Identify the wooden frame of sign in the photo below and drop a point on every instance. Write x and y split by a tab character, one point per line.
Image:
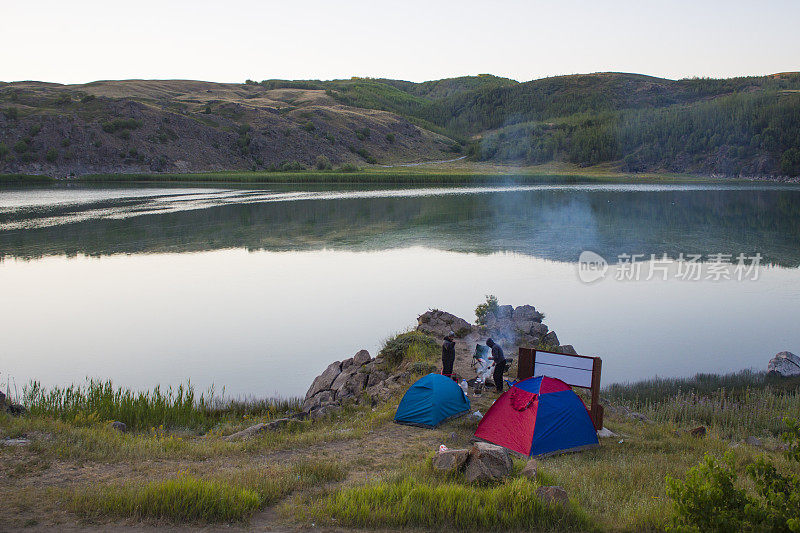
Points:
574	370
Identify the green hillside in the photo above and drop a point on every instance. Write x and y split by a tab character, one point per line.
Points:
739	126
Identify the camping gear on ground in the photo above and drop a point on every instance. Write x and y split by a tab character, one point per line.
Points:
464	385
539	416
431	400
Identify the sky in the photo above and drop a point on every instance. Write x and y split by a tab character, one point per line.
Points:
85	40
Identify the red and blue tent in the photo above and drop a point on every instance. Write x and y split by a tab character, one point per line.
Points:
538	416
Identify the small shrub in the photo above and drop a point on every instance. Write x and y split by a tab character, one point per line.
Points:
52	155
11	113
34	130
118	124
390	137
331	139
348	167
3	150
309	126
88	98
65	142
21	147
323	163
362	134
413	346
482	311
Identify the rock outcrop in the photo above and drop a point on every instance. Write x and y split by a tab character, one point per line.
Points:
509	326
784	364
355	379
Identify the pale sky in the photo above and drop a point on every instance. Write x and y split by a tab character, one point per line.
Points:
85	40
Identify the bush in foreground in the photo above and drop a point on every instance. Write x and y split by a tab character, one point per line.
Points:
711	499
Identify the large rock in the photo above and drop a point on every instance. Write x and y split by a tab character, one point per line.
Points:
504	311
361	358
440	323
784	364
529	471
325	380
568	349
487	462
450	460
552	495
321	398
538	329
524	312
551	339
257	429
341	380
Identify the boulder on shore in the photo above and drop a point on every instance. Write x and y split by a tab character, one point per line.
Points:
487	462
784	364
450	460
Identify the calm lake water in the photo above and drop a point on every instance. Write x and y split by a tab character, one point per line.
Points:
257	289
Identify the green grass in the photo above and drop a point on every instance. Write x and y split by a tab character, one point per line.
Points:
410	347
736	405
185	499
19	179
410	502
181	407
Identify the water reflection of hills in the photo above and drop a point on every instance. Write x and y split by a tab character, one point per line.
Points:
551	224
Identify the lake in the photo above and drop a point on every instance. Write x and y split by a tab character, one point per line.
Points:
256	289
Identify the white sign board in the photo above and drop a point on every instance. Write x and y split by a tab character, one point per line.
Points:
571	370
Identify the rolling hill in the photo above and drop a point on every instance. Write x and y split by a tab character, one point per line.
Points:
738	126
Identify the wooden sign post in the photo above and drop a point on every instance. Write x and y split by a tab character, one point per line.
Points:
574	370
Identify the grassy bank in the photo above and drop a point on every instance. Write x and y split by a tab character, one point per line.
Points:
355	468
458	173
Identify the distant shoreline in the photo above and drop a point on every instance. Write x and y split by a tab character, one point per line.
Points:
454	174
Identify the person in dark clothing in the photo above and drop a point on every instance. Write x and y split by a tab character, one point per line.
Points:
448	355
499	359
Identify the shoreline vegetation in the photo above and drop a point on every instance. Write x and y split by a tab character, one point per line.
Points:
437	173
355	468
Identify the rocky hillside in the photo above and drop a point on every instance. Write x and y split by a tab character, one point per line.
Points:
187	126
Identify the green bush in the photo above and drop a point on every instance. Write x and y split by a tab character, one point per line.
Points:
349	167
710	499
11	113
3	150
390	137
309	126
118	124
52	155
88	98
413	346
362	133
489	306
323	163
21	147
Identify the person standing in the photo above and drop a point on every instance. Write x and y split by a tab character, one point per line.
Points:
499	359
448	355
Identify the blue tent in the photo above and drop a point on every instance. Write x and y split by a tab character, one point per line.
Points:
430	401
